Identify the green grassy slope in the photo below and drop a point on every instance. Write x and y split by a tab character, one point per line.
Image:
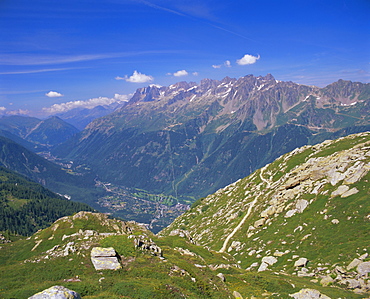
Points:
185	270
294	207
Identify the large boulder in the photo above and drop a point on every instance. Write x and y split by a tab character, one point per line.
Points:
56	292
308	294
105	258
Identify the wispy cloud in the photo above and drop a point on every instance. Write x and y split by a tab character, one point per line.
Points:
38	71
247	59
195	15
20	59
147	3
136	77
53	94
216	66
2	109
91	103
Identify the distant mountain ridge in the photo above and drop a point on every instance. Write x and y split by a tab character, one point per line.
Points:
190	139
43	134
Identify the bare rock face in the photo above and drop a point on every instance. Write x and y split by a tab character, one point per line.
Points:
105	258
363	268
309	294
56	292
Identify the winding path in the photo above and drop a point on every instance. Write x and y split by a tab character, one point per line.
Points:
251	205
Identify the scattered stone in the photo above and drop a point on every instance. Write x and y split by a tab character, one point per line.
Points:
353	283
301	205
237	295
341	189
350	192
309	294
353	264
326	280
263	267
56	292
364	256
221	276
105	258
259	223
270	260
363	268
335	221
301	262
290	213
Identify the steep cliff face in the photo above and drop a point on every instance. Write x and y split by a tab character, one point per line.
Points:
306	213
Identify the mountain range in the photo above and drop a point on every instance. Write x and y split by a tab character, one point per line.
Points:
188	140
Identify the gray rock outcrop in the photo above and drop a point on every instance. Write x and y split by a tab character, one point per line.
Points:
105	258
308	294
56	292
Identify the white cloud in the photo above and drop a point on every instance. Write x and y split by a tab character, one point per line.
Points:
247	59
227	63
136	77
2	109
53	94
195	74
181	73
91	103
18	112
216	66
121	97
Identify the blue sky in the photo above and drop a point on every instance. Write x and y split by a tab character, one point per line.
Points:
57	55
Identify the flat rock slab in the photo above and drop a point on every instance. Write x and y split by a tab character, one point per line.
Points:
100	251
56	292
105	258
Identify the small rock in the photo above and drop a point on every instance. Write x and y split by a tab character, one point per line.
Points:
301	205
301	262
341	189
237	295
263	267
335	221
326	280
259	223
290	213
270	260
58	292
353	264
221	276
353	283
363	268
350	192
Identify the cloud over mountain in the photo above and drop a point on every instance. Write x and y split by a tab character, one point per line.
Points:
247	59
91	103
136	77
181	73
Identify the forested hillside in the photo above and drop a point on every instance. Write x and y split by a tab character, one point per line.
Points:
26	207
